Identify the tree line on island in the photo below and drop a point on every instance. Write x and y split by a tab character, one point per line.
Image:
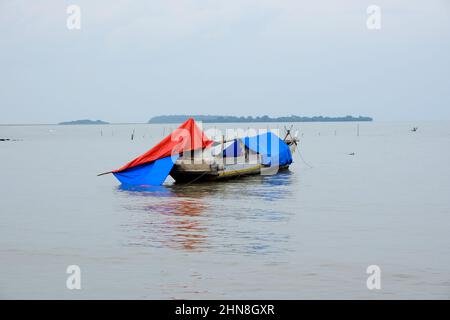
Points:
230	119
84	121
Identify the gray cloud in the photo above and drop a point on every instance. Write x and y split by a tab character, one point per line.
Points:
135	59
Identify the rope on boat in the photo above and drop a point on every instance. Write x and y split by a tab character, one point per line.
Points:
188	183
301	157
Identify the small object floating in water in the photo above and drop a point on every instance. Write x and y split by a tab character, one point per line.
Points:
188	155
415	129
8	139
351	154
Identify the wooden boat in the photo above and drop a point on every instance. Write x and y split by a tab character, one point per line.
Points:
189	156
196	167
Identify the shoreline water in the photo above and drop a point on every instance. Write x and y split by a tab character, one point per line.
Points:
322	226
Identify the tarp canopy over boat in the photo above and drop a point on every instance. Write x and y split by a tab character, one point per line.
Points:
153	167
185	138
232	150
274	151
149	174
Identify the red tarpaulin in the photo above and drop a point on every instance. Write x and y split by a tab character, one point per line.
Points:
187	137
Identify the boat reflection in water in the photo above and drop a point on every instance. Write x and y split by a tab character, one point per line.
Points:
239	215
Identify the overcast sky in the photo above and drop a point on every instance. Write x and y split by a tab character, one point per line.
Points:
134	59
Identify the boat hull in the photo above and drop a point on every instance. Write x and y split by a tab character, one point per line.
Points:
194	177
186	172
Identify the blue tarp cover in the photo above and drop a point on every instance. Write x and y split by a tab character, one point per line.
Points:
233	150
274	151
150	174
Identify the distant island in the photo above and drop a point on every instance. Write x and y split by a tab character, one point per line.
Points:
83	122
227	119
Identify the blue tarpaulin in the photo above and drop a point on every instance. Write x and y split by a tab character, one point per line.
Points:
274	151
233	150
151	174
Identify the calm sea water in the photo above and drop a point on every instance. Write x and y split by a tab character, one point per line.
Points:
307	233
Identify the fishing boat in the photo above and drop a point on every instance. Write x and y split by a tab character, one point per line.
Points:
222	163
189	156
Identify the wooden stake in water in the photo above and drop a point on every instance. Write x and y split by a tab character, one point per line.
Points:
357	129
132	135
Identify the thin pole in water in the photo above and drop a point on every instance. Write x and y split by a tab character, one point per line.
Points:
357	130
132	135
